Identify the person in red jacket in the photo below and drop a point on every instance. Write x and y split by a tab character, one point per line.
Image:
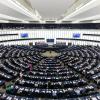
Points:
30	67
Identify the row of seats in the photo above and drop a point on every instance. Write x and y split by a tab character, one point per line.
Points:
4	96
84	60
72	74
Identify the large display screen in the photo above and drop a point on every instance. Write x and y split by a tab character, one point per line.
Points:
76	35
50	40
24	35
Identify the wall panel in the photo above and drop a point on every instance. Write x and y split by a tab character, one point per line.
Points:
50	33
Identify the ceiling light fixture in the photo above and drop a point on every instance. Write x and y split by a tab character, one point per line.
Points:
14	4
96	21
10	18
23	9
88	18
77	21
4	21
25	21
82	9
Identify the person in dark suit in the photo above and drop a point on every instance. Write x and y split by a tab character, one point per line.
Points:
48	84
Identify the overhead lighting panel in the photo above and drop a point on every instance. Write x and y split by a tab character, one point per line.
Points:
4	21
24	10
83	8
11	18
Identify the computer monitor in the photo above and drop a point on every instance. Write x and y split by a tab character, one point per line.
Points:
50	40
76	35
24	35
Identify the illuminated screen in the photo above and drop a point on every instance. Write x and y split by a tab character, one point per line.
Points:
24	35
50	40
76	35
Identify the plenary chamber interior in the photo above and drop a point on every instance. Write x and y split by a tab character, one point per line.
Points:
49	50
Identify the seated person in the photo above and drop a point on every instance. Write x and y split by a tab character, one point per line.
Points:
9	88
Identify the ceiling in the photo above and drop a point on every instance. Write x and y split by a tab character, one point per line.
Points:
49	11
